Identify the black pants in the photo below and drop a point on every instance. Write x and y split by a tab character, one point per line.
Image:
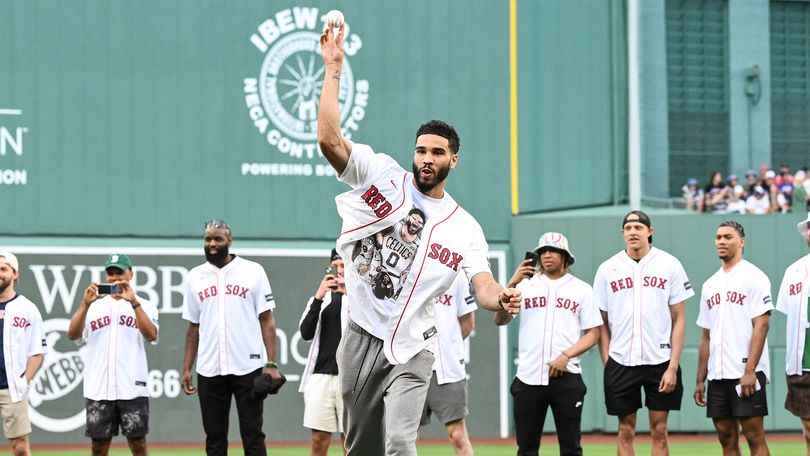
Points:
215	406
565	396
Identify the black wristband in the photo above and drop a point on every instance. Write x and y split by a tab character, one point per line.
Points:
136	305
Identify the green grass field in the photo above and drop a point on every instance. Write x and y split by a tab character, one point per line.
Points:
594	449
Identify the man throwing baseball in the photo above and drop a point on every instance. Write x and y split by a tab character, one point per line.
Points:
384	363
735	306
793	300
231	331
114	327
641	292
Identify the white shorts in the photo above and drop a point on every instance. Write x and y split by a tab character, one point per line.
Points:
323	406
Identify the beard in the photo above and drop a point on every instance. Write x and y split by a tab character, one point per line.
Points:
440	175
217	258
4	285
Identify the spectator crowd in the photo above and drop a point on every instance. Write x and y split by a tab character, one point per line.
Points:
760	193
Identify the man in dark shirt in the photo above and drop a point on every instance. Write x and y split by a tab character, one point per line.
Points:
322	323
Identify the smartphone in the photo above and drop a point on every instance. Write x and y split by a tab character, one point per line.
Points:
532	256
329	271
109	289
738	388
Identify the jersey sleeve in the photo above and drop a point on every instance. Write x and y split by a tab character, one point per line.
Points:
37	345
782	298
476	259
153	314
703	313
465	301
589	316
680	287
191	307
599	293
363	164
760	299
264	301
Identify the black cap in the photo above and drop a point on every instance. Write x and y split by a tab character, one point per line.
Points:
334	256
641	217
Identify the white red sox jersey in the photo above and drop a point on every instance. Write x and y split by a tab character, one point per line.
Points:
729	300
382	194
115	359
792	301
637	296
226	303
450	351
553	315
23	337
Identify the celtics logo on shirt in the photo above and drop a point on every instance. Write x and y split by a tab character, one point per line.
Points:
384	259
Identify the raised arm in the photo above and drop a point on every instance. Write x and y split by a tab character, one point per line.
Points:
334	146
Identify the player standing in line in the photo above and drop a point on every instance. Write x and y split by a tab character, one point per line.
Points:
114	327
558	323
793	300
448	392
384	360
22	343
323	321
641	292
735	306
231	331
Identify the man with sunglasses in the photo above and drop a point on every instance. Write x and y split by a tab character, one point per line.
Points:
231	331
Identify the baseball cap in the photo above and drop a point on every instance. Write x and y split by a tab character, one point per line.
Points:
9	259
770	174
691	181
555	241
642	218
731	177
802	226
759	189
118	260
334	256
750	172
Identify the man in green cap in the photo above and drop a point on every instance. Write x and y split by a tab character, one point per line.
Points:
115	323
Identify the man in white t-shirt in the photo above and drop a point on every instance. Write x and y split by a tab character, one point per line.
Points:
641	292
793	301
447	394
559	322
231	332
735	306
22	345
384	361
114	326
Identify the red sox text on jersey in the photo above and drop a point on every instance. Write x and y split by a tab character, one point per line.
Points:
230	289
795	289
733	297
123	320
535	302
648	281
445	256
376	201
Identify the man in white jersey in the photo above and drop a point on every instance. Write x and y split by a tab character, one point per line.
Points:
232	333
735	306
793	300
447	394
641	292
114	327
22	347
558	323
384	361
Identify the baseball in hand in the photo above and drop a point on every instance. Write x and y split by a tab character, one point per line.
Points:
334	19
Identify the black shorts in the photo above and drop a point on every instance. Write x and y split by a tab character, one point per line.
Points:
722	400
623	386
104	418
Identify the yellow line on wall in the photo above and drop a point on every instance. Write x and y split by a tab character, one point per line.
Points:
513	106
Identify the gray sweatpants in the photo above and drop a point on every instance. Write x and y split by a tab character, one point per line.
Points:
383	402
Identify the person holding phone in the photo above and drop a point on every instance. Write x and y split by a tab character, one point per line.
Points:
735	306
323	321
115	323
558	323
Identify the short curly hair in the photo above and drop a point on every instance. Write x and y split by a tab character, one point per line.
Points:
443	129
